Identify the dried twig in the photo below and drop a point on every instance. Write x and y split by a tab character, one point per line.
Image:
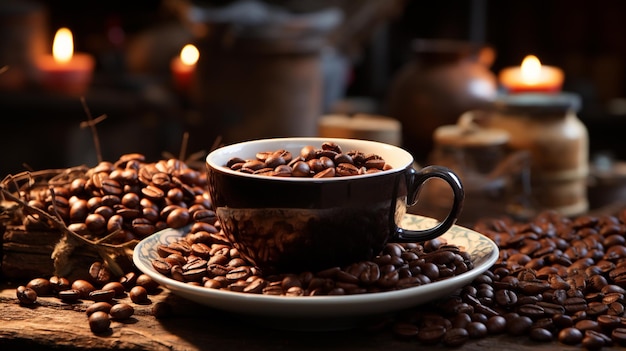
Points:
92	125
183	147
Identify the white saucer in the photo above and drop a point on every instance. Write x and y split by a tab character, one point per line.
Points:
323	312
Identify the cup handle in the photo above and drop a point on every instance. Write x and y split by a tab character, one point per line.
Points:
415	179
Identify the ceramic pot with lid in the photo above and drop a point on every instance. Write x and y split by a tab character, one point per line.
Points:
444	79
548	128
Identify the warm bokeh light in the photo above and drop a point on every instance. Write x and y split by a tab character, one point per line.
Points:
531	69
63	46
532	77
189	55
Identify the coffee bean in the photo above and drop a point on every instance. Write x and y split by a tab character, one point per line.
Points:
59	283
99	273
147	283
83	287
99	322
505	297
41	286
540	334
25	295
477	330
455	337
117	287
570	336
138	294
70	295
618	335
98	306
102	295
121	311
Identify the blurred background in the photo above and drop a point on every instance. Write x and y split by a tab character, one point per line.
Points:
276	67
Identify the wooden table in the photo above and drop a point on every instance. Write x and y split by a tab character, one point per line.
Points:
53	324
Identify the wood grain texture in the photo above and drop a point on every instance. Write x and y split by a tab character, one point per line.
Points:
53	324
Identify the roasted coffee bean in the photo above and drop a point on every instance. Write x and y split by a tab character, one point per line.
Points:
41	286
117	287
102	295
147	283
505	297
99	322
138	294
25	295
121	311
99	273
59	284
98	306
83	287
95	222
178	218
540	334
326	173
455	337
477	330
618	335
142	227
69	295
570	336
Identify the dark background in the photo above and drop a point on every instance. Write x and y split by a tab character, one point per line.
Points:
134	40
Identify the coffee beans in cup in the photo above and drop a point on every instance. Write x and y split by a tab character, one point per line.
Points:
326	161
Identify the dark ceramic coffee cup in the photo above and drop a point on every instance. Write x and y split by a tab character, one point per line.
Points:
295	224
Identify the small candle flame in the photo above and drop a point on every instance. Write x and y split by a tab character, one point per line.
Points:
189	55
531	69
63	46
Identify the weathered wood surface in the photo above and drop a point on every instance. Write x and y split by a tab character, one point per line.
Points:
53	324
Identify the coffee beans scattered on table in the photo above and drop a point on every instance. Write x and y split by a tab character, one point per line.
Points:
104	306
557	279
329	160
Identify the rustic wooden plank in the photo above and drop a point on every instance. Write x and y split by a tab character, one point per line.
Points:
53	324
28	254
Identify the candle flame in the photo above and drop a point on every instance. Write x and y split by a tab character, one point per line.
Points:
189	55
63	46
531	69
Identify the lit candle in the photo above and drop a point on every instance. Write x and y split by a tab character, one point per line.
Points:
184	66
65	71
532	76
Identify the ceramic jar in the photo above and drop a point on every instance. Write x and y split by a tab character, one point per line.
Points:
547	126
444	79
479	156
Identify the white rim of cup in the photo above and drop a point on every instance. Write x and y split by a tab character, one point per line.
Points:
398	158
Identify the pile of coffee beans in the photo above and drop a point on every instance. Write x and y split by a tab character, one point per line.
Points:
131	196
326	161
208	259
557	279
